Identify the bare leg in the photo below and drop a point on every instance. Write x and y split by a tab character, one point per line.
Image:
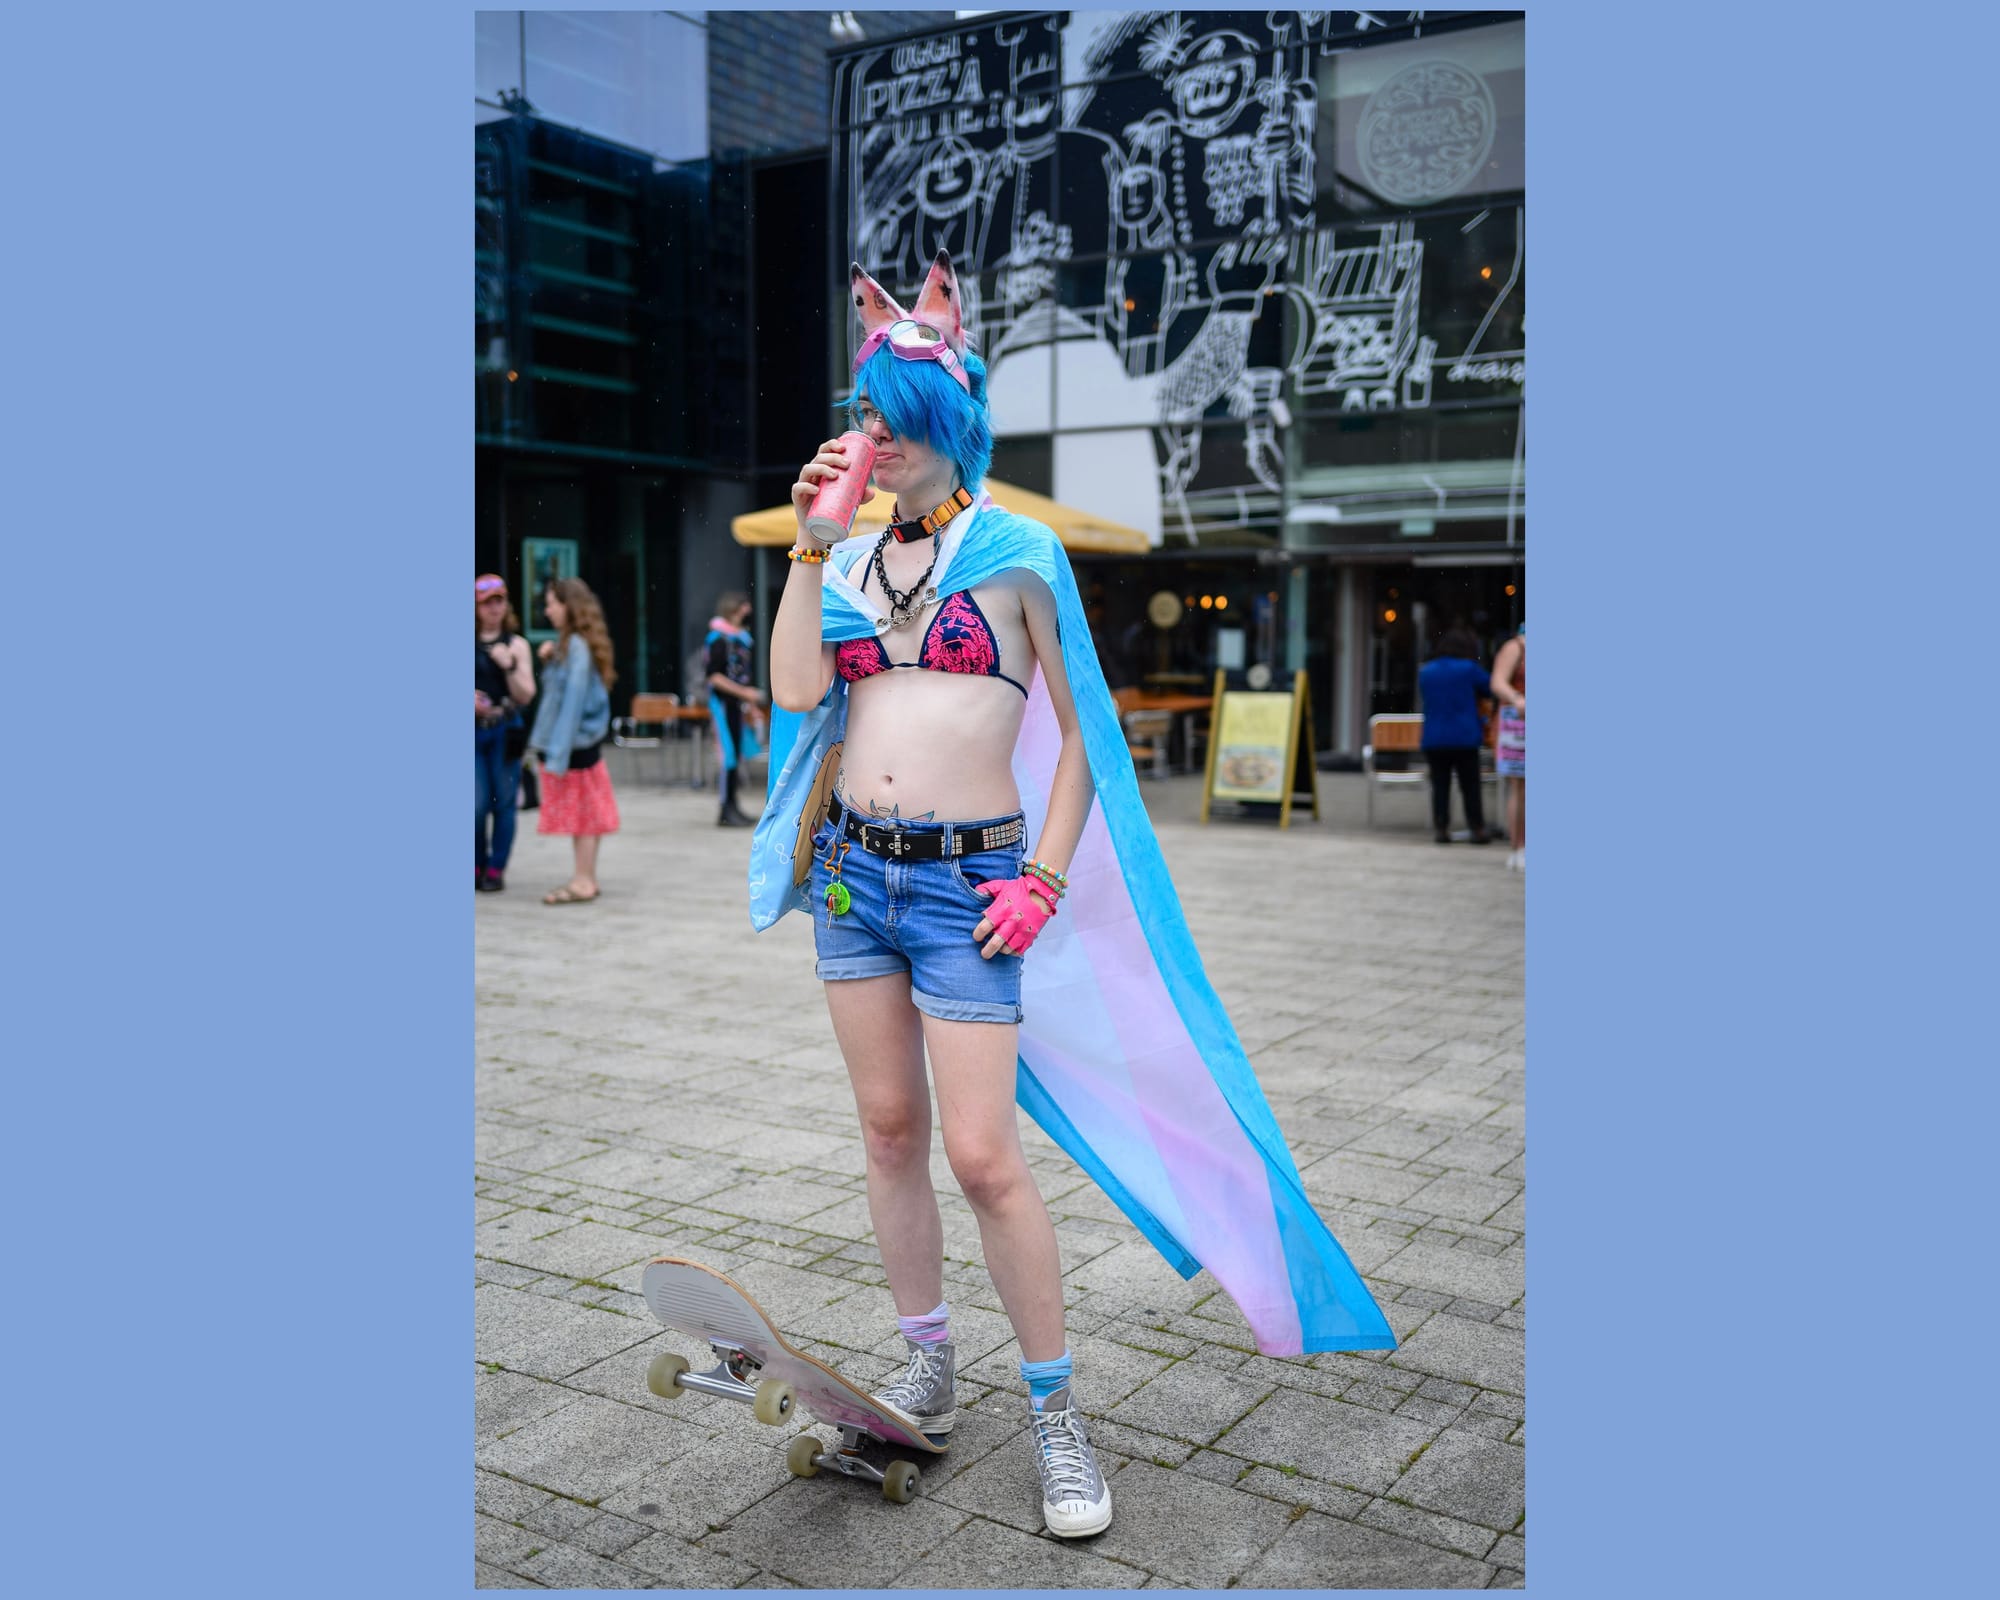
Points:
1517	812
884	1050
585	845
974	1064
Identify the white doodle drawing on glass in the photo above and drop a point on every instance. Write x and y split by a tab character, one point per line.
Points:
1154	337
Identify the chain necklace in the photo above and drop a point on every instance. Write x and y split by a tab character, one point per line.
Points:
904	605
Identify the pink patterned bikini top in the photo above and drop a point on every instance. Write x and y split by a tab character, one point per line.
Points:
959	639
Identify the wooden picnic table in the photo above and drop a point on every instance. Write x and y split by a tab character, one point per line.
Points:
1179	704
1182	707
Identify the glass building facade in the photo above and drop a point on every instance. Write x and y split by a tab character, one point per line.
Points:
638	349
1251	281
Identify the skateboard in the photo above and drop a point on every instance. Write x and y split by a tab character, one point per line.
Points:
756	1367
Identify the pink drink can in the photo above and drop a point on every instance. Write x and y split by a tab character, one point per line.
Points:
830	517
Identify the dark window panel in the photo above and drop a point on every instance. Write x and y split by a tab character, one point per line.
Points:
1027	463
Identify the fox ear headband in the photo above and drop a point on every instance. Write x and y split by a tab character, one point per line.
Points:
935	333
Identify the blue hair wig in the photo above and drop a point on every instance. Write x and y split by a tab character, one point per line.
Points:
920	400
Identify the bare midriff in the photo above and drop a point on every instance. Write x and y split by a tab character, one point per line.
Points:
931	744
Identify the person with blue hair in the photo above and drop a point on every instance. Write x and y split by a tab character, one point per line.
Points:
956	778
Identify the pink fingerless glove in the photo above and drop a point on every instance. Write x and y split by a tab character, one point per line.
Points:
1016	914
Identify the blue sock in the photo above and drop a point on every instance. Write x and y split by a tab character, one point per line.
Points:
932	1328
1043	1378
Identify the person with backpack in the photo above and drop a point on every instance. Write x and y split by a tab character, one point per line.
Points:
734	704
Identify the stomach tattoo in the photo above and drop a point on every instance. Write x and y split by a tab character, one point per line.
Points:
891	812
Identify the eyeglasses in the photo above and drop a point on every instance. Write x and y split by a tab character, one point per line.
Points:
915	341
862	418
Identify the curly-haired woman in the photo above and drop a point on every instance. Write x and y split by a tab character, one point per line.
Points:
570	725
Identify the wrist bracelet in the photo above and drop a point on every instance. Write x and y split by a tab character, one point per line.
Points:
1048	877
810	556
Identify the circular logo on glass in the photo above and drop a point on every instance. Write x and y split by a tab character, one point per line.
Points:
949	182
1425	132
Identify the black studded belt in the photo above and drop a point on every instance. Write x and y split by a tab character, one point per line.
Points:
931	844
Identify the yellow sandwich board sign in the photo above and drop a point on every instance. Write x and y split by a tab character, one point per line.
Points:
1260	749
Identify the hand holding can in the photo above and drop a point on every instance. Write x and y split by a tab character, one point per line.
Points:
830	517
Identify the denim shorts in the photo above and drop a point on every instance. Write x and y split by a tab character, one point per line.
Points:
917	917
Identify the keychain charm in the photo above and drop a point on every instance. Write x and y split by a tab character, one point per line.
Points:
838	900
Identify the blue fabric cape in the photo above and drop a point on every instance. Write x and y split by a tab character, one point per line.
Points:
1127	1058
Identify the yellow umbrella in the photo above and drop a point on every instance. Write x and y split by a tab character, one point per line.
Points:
1078	530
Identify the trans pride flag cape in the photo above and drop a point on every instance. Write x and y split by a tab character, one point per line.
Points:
1128	1061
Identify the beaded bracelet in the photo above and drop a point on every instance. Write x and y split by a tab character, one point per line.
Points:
810	556
1047	876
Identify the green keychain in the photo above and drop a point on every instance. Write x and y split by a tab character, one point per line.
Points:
838	900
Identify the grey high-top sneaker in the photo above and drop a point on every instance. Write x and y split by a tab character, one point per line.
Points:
925	1389
1076	1501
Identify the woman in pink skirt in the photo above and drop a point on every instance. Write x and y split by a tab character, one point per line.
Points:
570	724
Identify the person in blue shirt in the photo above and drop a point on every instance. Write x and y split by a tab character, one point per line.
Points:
1452	683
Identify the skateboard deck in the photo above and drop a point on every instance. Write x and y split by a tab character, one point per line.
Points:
707	1305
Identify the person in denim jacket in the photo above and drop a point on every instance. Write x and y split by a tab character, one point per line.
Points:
568	736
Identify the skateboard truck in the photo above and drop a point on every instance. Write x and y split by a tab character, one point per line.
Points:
807	1457
669	1378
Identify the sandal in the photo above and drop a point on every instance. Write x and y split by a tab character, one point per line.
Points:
566	896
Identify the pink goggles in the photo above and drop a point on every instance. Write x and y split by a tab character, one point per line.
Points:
915	341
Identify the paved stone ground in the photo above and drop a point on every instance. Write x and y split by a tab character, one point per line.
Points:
653	1077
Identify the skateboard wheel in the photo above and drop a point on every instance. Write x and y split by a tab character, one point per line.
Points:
899	1483
663	1377
803	1456
774	1400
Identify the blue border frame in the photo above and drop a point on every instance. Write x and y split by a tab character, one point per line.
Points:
239	1067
